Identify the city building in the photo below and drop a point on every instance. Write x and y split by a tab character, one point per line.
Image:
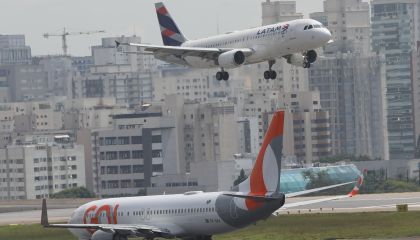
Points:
92	113
36	170
115	73
13	50
394	33
138	147
279	11
415	58
212	132
348	20
352	90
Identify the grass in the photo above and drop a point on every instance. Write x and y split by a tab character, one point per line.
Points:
290	227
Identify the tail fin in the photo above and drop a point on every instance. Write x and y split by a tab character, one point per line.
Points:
265	176
171	35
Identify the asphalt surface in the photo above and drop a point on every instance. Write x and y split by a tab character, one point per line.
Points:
360	203
61	211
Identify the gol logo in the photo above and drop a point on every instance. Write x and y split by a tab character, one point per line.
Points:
95	213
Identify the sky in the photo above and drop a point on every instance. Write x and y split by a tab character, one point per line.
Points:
195	18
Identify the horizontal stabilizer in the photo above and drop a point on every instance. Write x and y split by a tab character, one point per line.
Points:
255	197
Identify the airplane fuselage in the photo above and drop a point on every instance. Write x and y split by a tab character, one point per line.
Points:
267	42
189	214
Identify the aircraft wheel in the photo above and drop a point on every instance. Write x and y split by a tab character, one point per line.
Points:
225	76
267	75
273	74
219	76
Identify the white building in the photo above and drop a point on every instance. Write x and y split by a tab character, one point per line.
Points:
36	171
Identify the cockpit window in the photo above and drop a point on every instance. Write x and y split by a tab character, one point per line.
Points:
306	27
310	27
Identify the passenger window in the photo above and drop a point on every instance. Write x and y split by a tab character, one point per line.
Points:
310	27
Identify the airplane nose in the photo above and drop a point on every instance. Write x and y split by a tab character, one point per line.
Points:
327	35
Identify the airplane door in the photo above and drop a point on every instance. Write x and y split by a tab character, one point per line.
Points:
148	213
143	214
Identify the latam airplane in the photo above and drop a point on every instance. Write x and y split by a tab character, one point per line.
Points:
292	40
194	215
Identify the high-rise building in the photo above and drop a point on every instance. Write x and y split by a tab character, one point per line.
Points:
352	90
415	58
37	170
279	11
348	20
138	147
394	33
115	73
13	50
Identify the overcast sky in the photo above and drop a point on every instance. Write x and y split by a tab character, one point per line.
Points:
195	18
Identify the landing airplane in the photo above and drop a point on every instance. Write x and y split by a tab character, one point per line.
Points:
193	215
292	40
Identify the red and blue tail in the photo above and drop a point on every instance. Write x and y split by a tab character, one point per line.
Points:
171	35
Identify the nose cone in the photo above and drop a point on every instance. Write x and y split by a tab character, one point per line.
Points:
326	35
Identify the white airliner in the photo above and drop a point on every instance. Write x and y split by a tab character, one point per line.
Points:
194	215
292	40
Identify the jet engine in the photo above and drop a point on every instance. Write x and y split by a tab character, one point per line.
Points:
231	59
311	56
296	59
101	235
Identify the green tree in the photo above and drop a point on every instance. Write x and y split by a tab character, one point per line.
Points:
78	192
242	177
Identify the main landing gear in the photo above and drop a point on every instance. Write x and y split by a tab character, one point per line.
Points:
270	74
222	75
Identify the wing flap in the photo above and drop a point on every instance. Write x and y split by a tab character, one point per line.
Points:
186	51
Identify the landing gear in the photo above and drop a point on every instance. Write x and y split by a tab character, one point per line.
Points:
270	74
222	75
306	64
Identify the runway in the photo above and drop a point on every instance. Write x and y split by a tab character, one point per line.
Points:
360	203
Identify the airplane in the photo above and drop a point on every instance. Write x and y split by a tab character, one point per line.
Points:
293	40
194	215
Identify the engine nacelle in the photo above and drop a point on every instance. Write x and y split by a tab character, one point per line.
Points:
231	59
296	59
101	235
311	56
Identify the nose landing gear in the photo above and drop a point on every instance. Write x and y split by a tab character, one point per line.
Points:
270	74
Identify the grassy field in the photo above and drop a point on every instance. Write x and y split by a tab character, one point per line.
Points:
290	227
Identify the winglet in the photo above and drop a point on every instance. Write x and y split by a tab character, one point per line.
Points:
117	44
44	214
356	189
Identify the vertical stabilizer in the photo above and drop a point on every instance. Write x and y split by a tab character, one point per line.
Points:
171	35
265	175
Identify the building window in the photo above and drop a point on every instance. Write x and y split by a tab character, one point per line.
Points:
157	139
138	168
156	153
137	154
112	170
125	169
124	155
123	140
136	140
139	183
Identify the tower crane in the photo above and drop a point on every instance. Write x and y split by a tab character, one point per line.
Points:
64	35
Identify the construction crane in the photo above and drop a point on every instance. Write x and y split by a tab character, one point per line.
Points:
64	35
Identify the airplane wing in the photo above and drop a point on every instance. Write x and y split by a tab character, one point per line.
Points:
209	53
123	229
352	193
